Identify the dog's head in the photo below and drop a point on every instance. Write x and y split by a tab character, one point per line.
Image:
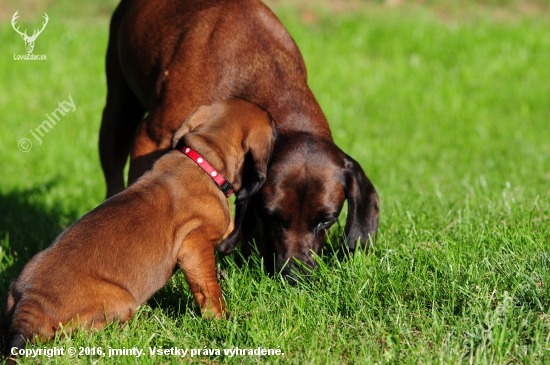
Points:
236	137
309	180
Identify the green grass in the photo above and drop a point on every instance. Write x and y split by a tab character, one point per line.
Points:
447	112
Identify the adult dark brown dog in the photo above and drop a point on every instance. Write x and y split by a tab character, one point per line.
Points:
167	57
118	255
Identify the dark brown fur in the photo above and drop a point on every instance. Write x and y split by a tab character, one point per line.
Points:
115	257
167	57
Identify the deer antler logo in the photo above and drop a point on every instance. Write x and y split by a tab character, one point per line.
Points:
29	41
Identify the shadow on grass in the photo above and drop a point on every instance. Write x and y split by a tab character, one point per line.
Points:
175	298
27	225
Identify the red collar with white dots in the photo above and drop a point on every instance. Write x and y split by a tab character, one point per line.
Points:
218	178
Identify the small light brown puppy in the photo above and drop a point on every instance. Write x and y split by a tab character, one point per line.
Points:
118	255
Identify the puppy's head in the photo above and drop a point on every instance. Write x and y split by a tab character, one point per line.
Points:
309	180
237	138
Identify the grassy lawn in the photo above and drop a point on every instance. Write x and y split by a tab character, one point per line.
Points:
447	108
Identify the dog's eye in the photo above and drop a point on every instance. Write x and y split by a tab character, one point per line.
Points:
323	226
275	226
269	214
274	220
325	223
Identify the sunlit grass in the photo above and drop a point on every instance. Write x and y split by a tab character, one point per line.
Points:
449	119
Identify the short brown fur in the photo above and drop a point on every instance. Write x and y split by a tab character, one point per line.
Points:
118	255
168	57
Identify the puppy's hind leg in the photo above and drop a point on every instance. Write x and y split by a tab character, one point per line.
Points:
117	303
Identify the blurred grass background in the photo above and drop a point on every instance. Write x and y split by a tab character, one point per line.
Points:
445	104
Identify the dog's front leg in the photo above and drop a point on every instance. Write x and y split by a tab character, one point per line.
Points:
196	259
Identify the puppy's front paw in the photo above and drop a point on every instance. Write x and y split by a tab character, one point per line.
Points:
209	310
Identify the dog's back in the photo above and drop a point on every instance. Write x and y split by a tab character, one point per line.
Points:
217	49
168	57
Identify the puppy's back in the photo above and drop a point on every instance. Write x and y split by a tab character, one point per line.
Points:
114	257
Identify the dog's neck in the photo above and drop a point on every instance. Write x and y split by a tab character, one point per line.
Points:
300	113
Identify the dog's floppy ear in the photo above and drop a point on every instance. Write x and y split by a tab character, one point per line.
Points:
193	120
259	145
363	205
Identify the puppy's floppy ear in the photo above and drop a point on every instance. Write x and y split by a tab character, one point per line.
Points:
259	144
363	205
193	120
